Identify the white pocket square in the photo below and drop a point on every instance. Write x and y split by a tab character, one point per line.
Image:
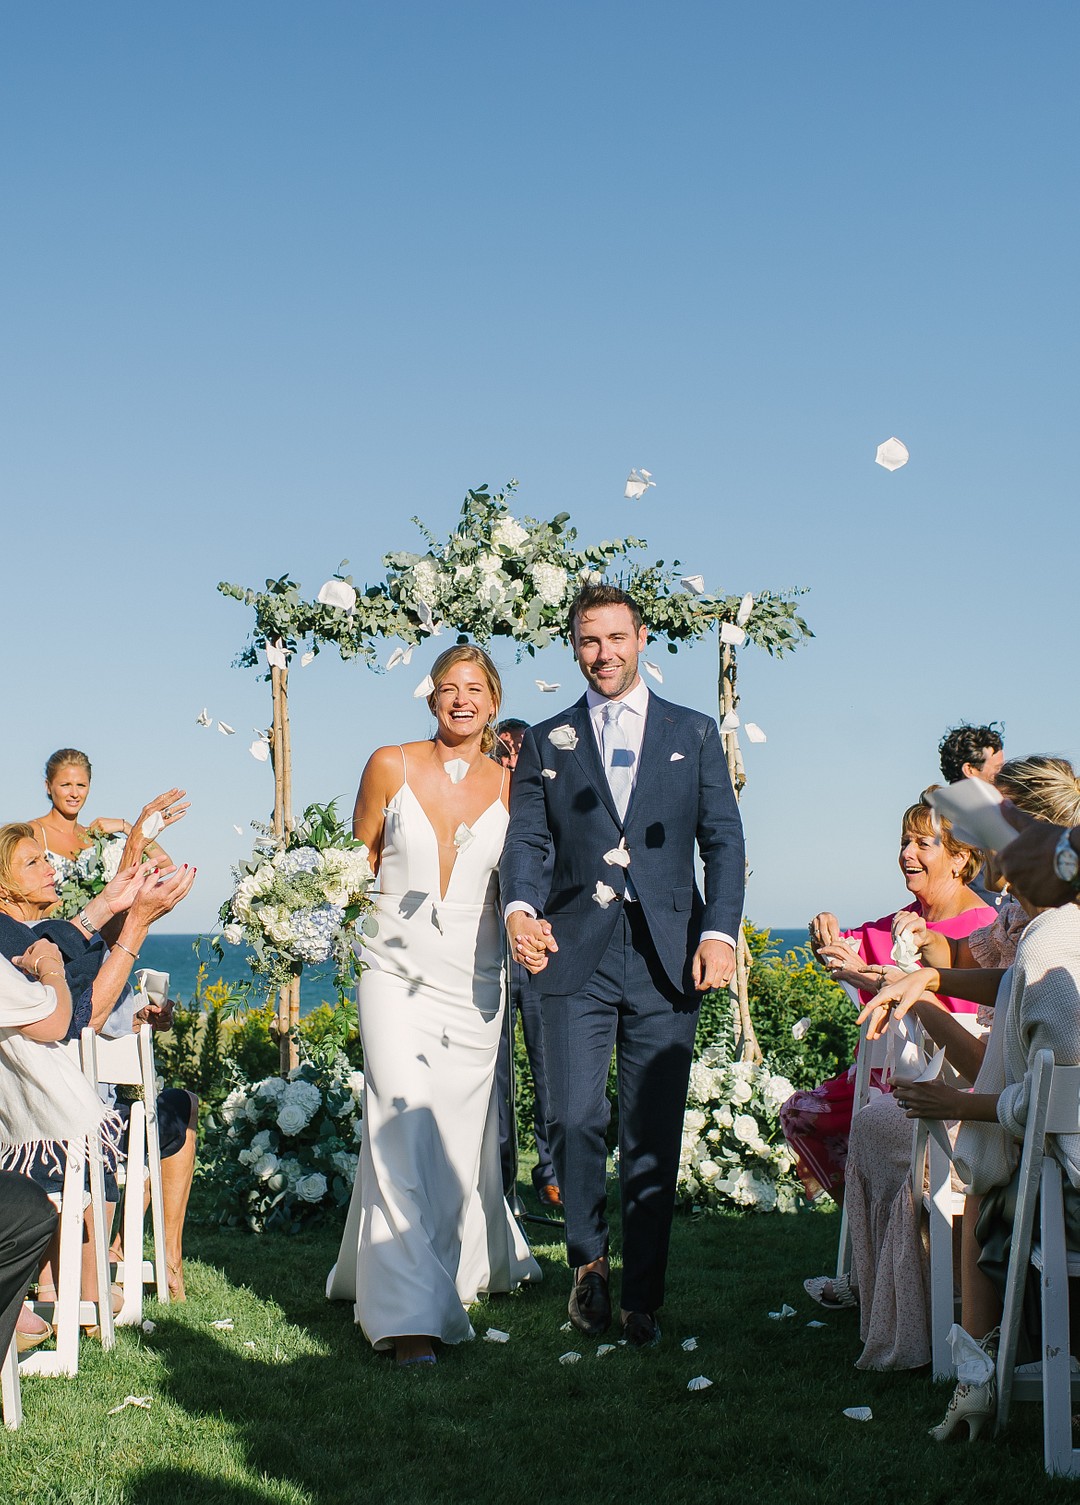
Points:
676	757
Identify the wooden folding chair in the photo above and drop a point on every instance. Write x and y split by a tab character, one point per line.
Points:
1053	1108
129	1061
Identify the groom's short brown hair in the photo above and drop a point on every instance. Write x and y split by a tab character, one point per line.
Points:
589	597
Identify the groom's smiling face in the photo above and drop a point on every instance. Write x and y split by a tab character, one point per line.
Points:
606	645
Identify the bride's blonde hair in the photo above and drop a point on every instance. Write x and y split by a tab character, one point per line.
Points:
469	653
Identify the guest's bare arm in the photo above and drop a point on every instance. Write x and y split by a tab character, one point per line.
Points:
43	962
380	781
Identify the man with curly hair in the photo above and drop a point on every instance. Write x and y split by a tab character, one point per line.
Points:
971	752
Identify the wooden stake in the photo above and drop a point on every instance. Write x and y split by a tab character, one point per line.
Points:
288	1003
746	1045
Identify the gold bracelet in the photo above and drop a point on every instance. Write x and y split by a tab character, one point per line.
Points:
133	954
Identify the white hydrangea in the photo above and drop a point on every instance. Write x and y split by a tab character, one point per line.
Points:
549	582
776	1092
425	580
234	1106
508	533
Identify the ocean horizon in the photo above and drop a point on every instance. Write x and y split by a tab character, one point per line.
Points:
177	955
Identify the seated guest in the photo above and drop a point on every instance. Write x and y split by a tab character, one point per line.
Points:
67	784
889	1263
523	1003
96	975
975	752
935	868
1042	861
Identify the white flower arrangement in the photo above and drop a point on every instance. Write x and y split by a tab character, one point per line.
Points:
80	879
280	1151
733	1149
302	901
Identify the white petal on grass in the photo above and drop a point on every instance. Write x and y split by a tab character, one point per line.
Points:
259	750
276	656
225	729
618	856
637	483
307	658
746	606
463	837
695	584
816	1323
892	454
544	688
424	688
653	669
144	1401
605	1348
148	1326
603	895
549	773
799	1028
731	722
569	1358
224	1324
563	737
784	1312
494	1335
859	1413
754	732
567	1327
732	634
250	1343
688	1345
456	769
204	718
337	593
153	825
700	1383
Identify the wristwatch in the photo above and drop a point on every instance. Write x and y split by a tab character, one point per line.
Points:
1066	861
87	924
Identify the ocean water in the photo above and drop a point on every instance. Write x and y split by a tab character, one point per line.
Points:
176	955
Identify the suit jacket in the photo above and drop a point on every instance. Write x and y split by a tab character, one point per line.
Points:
561	826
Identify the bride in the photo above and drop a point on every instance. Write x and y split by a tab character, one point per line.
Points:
428	1229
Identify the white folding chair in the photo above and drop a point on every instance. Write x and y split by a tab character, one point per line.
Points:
69	1311
129	1061
9	1386
870	1055
1053	1108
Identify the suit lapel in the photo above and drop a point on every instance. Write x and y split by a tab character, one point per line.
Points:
655	749
588	755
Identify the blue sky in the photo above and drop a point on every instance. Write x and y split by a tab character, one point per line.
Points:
276	277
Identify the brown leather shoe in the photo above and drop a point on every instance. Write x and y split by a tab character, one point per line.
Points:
549	1197
590	1305
640	1330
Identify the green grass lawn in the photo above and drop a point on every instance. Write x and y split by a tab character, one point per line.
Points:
291	1406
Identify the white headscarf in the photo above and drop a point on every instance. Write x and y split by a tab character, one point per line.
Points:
44	1098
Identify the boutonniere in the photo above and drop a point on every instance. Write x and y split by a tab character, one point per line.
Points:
563	737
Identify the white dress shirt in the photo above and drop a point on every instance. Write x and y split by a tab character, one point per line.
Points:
636	701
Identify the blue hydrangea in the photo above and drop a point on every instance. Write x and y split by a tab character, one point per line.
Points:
302	860
314	931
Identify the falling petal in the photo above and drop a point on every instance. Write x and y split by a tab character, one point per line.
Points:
397	657
567	1327
546	689
799	1028
426	616
730	722
204	718
144	1401
637	483
688	1345
239	830
225	729
337	593
259	750
563	737
816	1323
153	825
455	770
603	895
746	606
731	634
549	773
618	856
892	454
653	669
754	732
424	688
276	656
700	1383
859	1413
784	1312
605	1348
250	1343
307	658
463	837
569	1358
695	584
493	1335
148	1326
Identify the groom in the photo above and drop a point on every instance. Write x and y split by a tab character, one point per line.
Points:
616	791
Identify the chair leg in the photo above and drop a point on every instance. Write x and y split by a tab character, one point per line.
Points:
64	1360
1058	1451
9	1386
131	1313
157	1203
101	1232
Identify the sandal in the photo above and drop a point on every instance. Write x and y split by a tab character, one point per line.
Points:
834	1292
25	1341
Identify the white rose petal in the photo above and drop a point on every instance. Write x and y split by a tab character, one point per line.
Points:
892	454
783	1314
546	689
732	634
223	1324
456	770
569	1358
746	606
605	1348
549	773
800	1027
259	750
148	1326
337	593
653	669
307	658
618	856
731	722
144	1401
463	837
565	738
493	1335
204	718
859	1413
815	1323
153	825
754	732
688	1345
424	688
276	656
695	584
603	895
225	729
637	483
700	1383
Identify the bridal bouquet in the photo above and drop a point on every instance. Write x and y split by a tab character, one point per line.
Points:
302	901
733	1150
80	879
278	1152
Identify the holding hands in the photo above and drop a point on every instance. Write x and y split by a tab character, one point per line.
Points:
530	941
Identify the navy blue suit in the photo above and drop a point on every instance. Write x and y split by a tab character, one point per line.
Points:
621	978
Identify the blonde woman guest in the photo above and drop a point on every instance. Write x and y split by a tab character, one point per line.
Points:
65	839
936	869
428	1229
890	1265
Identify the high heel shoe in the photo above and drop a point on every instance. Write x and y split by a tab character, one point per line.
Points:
975	1404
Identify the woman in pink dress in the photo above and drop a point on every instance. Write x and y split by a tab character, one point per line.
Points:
936	869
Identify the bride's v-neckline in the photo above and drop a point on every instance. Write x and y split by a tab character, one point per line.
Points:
431	827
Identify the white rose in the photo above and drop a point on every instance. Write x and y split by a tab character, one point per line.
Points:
356	1083
265	1166
745	1129
723	1116
741	1092
563	737
292	1118
312	1187
694	1121
234	934
508	533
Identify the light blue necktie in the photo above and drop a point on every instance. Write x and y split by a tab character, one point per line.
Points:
618	758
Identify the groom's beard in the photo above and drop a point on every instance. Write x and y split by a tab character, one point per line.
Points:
615	686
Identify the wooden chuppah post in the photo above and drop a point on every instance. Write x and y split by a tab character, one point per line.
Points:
288	1008
746	1047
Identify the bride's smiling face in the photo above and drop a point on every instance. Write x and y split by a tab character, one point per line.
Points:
463	702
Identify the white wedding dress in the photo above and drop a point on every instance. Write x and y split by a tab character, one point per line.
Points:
428	1229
